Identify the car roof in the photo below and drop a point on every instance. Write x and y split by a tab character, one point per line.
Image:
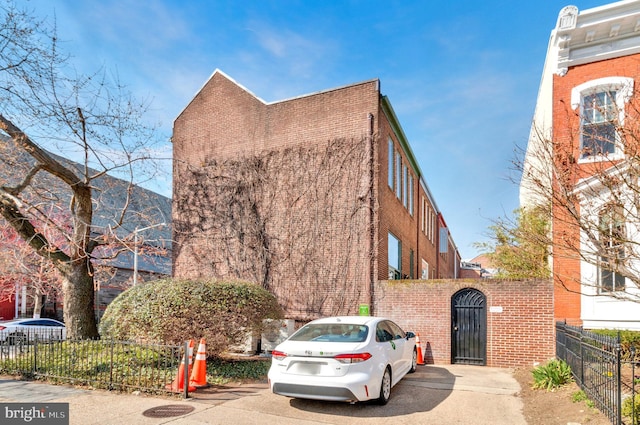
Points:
352	320
29	319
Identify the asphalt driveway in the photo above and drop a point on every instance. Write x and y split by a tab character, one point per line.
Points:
452	394
434	395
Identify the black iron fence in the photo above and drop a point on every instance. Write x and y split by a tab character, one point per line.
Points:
107	364
600	370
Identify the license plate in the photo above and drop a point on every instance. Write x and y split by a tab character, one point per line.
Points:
309	368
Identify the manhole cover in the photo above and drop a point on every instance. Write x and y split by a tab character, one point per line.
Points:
168	411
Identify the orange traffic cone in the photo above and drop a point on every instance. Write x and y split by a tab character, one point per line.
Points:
199	375
420	359
177	385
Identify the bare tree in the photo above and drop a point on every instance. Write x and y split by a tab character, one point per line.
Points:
47	106
586	176
23	268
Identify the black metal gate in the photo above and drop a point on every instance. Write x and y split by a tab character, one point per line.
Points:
469	327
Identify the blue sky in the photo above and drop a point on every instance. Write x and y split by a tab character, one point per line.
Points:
462	76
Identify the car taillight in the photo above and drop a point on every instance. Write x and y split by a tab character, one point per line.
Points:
2	328
352	358
278	355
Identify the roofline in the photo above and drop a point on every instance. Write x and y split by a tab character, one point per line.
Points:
591	35
373	80
218	71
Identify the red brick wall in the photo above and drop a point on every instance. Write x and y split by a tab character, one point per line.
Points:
522	334
223	120
278	194
566	135
407	227
394	217
315	239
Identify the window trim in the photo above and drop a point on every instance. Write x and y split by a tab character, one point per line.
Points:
623	86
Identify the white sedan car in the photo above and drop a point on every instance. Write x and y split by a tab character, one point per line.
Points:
350	358
22	330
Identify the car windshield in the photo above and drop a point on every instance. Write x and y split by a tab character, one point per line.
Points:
331	332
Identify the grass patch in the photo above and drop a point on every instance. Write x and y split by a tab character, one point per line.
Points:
580	396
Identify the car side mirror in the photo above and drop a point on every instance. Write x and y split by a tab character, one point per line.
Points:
410	335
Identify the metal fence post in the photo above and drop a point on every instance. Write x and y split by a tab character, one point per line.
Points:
581	356
35	354
111	345
619	382
633	384
186	369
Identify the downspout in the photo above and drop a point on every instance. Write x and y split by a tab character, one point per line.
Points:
372	229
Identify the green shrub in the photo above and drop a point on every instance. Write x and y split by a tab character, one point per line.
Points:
628	409
172	311
551	375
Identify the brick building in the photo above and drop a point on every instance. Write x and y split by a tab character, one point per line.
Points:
316	198
582	159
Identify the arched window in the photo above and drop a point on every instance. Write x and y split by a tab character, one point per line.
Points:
602	104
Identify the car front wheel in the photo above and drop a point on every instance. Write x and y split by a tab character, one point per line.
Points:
385	387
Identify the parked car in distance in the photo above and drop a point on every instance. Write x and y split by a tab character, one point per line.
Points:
348	358
23	330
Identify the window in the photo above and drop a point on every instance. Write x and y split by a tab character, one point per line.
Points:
425	270
390	171
423	214
444	240
395	257
410	200
611	229
430	226
411	264
599	121
388	331
398	175
602	104
405	185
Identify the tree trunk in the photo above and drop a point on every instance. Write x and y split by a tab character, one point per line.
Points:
37	301
78	298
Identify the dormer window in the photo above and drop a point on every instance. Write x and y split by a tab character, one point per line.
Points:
602	104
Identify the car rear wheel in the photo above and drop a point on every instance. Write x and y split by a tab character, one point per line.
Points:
414	361
385	387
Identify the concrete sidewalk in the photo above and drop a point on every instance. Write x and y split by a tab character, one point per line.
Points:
451	394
